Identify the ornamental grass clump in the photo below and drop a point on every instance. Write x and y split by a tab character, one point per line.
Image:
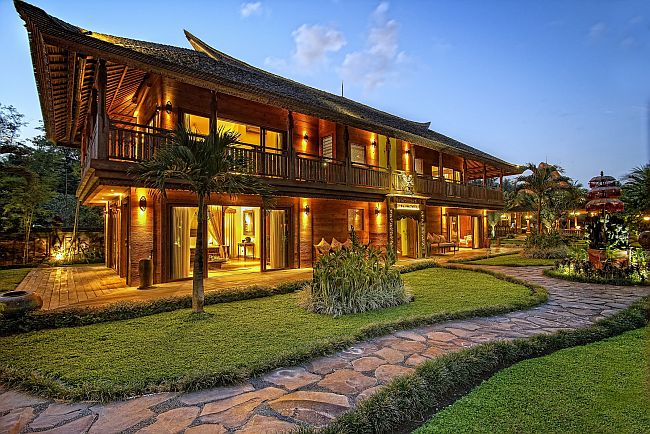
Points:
546	246
355	279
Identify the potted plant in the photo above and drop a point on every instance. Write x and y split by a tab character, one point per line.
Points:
608	239
16	303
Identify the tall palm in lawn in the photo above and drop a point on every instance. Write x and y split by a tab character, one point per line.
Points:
204	165
540	183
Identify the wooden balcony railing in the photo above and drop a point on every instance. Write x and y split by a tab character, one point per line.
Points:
132	142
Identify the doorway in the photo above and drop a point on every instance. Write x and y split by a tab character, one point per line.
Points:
276	229
408	234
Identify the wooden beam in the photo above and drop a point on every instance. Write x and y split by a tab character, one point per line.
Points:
213	111
78	86
102	117
117	89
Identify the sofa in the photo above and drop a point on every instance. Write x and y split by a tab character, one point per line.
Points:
440	244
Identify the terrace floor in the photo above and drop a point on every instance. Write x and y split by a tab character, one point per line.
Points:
95	285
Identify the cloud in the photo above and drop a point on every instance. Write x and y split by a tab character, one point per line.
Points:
628	42
248	9
377	63
312	43
597	30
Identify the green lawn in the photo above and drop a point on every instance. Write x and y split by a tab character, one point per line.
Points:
231	339
515	260
10	278
601	387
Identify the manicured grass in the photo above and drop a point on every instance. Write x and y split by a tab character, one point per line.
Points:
600	387
515	260
11	277
231	341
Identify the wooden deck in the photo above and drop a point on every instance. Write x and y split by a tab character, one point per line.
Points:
95	285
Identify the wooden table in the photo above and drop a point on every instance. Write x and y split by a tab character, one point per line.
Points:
242	247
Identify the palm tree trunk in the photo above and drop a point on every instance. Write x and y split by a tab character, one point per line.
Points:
198	297
539	216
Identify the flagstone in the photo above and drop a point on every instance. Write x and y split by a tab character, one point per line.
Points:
325	365
347	381
206	428
80	425
209	395
12	399
291	379
408	346
122	415
16	420
54	414
172	421
386	373
366	364
316	408
224	404
390	355
260	424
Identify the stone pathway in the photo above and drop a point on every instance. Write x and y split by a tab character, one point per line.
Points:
322	389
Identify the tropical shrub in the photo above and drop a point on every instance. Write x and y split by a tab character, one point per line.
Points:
613	271
545	246
608	232
353	280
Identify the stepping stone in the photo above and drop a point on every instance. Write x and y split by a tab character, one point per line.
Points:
291	379
458	332
433	352
80	425
386	373
347	382
325	365
172	421
365	364
367	393
207	428
390	355
16	420
54	414
264	425
234	416
415	360
216	394
11	400
408	346
441	336
122	415
226	404
314	408
411	335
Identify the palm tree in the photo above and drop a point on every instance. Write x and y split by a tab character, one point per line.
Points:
542	181
204	165
636	189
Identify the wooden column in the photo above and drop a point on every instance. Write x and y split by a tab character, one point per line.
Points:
213	112
389	165
440	166
290	151
348	155
484	175
102	117
464	170
501	179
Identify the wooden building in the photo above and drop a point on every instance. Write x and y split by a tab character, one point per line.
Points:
333	163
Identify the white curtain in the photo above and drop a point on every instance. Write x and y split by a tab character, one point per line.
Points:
277	254
215	223
229	230
183	220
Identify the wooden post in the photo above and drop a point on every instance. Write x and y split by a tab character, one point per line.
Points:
501	179
440	175
213	112
290	151
484	175
389	164
464	170
102	117
348	155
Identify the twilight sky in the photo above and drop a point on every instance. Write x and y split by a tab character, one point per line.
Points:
562	81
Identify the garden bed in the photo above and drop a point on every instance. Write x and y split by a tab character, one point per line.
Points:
509	260
233	341
560	274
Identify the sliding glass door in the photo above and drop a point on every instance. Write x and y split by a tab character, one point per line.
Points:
276	227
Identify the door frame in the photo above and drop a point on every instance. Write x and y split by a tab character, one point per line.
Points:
288	210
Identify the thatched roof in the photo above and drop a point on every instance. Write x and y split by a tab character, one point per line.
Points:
203	66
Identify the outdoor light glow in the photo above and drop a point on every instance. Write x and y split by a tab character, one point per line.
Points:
646	218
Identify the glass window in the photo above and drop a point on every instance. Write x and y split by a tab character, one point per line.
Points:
435	172
327	147
248	134
448	173
358	153
355	219
198	124
419	166
274	142
457	175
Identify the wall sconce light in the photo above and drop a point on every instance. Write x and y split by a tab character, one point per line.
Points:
408	151
143	203
373	143
305	137
377	210
307	209
168	107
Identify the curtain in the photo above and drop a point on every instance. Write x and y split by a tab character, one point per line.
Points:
182	220
229	230
215	224
277	253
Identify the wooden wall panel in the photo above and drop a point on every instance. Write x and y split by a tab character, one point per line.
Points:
434	220
141	236
364	138
327	128
306	124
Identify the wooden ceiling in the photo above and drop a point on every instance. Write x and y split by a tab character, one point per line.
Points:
71	77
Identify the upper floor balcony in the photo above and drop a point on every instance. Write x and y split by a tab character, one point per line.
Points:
130	142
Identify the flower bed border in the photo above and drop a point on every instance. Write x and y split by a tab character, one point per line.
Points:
552	272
